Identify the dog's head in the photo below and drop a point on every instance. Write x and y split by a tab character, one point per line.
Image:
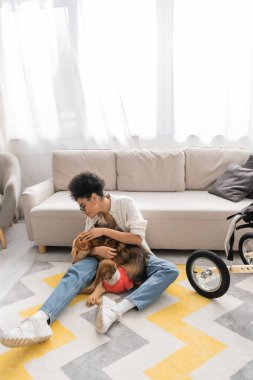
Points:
80	248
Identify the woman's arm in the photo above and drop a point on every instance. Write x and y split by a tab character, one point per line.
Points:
123	237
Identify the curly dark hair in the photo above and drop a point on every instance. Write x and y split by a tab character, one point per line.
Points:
83	185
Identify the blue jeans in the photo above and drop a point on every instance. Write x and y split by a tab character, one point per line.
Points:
160	274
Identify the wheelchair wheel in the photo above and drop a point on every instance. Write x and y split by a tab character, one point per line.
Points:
246	245
207	274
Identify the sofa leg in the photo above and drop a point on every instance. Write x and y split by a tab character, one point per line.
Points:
42	249
2	238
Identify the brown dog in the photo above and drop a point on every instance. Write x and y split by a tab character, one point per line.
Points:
81	247
132	258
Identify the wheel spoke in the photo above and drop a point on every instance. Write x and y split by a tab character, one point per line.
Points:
247	247
207	279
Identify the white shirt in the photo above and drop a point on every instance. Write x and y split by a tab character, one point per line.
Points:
127	216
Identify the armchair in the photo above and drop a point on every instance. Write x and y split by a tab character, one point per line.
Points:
10	186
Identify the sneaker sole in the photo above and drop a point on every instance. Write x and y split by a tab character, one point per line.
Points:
99	320
23	342
100	328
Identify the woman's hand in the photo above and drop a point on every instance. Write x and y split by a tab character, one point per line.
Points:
104	252
93	233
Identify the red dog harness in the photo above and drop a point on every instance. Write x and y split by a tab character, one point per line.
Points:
121	285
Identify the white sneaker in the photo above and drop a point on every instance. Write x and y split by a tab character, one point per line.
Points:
30	331
107	314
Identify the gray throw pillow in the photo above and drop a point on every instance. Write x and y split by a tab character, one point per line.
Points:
249	164
234	184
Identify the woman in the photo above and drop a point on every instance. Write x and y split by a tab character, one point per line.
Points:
87	189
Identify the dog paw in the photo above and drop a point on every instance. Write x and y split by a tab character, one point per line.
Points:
98	301
91	301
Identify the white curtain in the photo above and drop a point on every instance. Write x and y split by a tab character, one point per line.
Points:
29	53
102	73
213	69
78	69
117	61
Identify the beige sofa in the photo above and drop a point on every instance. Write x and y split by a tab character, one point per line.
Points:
170	187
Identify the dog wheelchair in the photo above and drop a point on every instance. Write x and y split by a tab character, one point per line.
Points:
208	274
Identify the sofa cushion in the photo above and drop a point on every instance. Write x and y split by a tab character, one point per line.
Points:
204	165
150	170
190	204
176	220
187	220
184	205
68	163
234	184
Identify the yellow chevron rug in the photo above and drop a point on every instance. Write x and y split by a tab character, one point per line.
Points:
181	336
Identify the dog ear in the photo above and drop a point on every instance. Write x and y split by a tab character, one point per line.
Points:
103	265
107	269
74	254
81	243
73	251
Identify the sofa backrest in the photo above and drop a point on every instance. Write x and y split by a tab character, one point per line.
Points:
68	163
147	170
204	165
151	170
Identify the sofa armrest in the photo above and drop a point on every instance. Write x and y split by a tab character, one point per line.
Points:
33	196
